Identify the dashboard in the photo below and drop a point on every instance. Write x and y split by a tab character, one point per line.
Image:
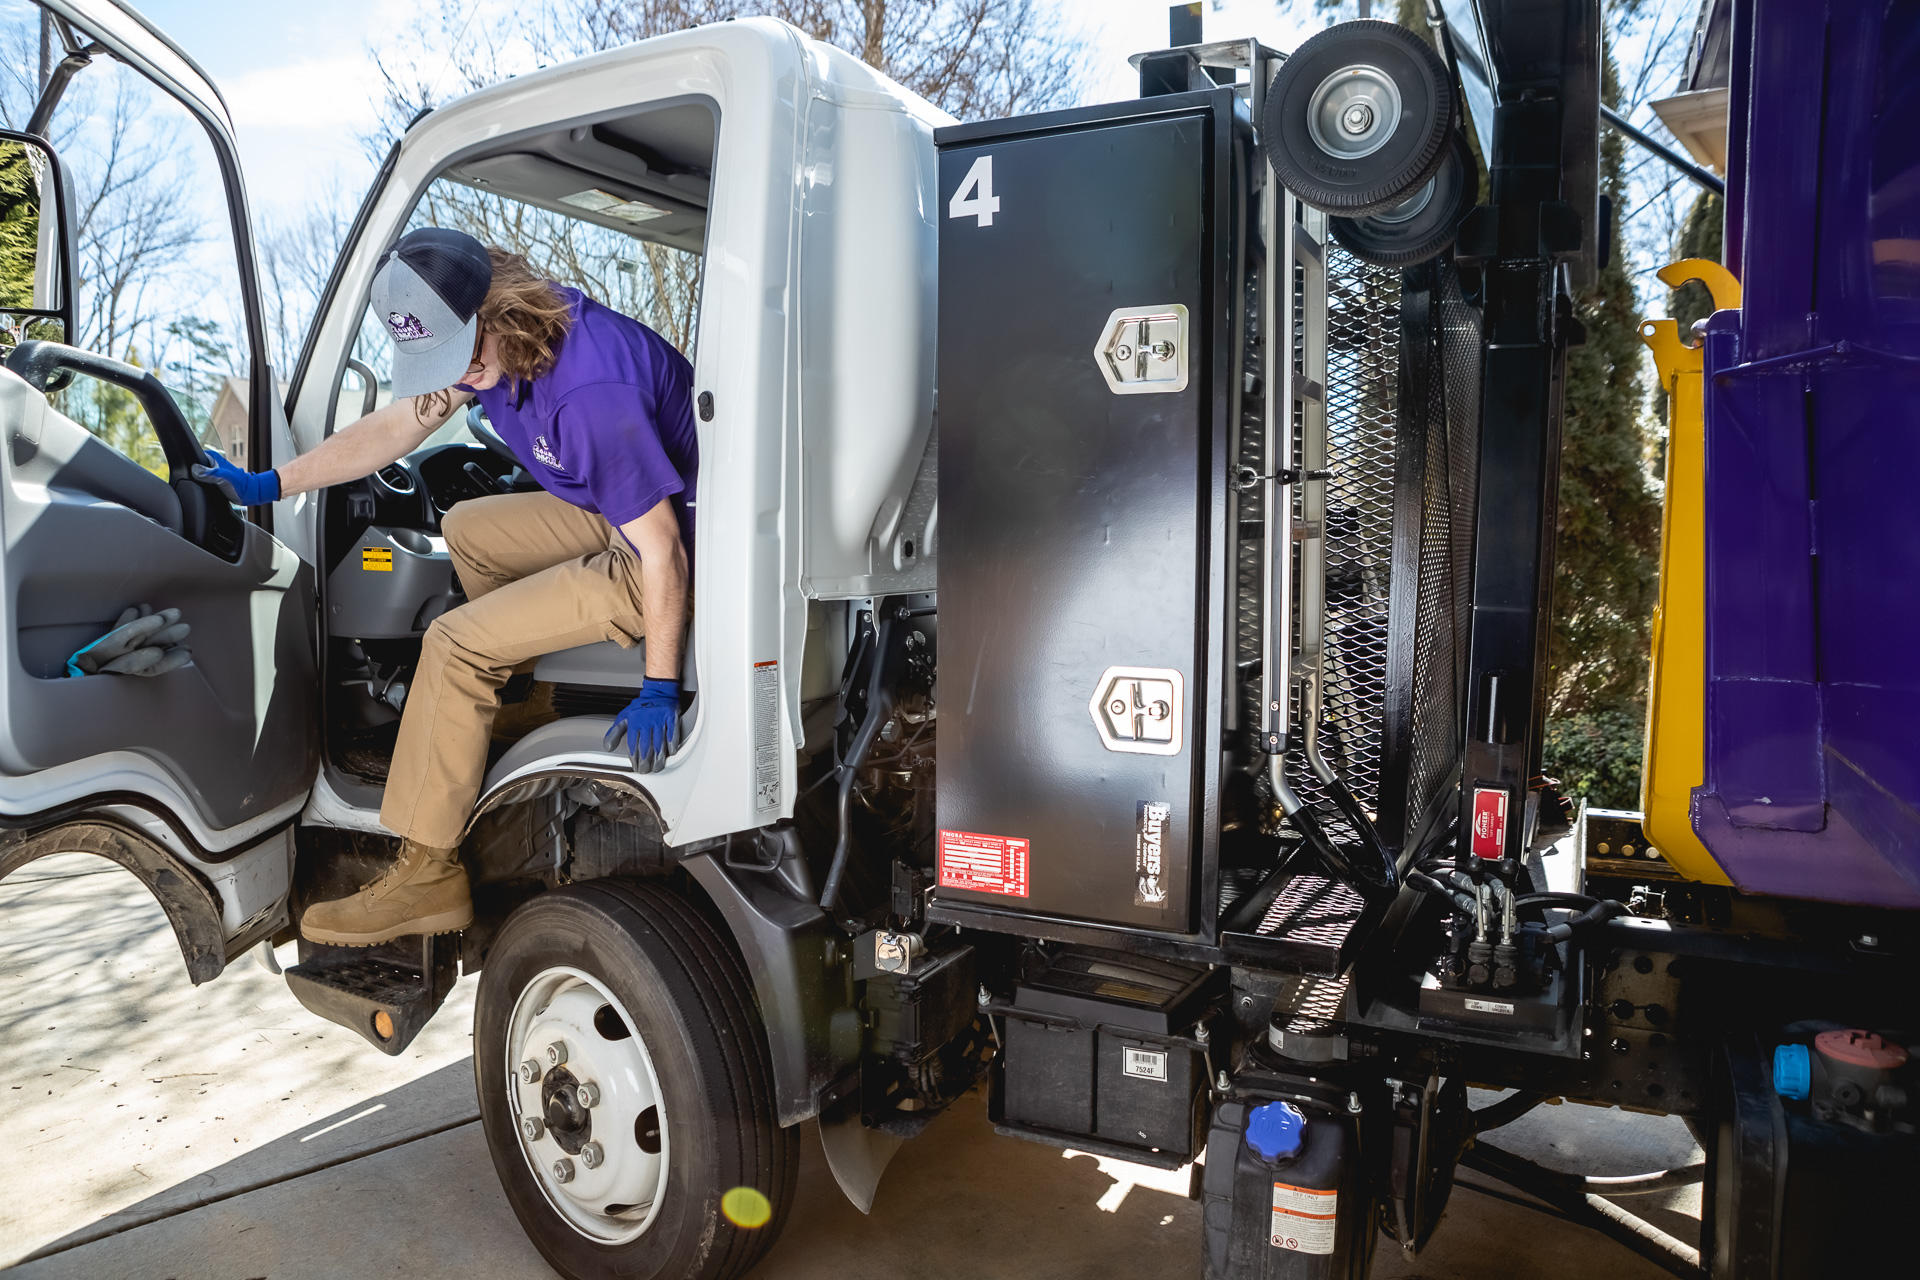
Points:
416	491
388	571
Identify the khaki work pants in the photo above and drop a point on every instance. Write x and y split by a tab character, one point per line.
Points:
541	575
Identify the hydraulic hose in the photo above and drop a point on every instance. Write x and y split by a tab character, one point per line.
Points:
1600	911
879	707
1462	902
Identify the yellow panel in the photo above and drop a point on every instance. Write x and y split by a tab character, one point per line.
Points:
1676	695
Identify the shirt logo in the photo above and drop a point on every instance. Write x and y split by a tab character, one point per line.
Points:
543	454
407	327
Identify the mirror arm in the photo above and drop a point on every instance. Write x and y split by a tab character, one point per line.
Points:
63	72
369	385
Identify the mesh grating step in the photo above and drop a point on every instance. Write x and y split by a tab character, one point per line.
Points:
1309	927
1313	911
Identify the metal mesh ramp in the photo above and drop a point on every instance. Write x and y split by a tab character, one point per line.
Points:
1362	395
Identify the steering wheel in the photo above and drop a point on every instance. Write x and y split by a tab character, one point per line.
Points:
483	431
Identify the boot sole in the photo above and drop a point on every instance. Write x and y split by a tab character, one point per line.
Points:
426	926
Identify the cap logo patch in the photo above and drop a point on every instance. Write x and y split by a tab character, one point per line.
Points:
407	327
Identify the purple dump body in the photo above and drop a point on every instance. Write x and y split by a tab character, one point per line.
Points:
1812	779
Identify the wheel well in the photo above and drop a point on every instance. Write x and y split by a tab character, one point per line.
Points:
799	961
185	895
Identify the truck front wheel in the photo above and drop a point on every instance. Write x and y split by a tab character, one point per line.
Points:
625	1087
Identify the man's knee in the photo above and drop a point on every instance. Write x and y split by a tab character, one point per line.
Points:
460	526
456	638
448	639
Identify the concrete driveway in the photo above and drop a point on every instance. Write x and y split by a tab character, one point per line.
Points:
156	1130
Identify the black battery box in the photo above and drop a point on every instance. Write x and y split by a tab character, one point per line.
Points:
1101	1052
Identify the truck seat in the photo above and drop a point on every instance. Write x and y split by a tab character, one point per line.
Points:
605	664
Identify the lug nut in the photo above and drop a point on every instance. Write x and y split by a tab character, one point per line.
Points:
591	1155
531	1127
563	1170
589	1094
556	1053
530	1072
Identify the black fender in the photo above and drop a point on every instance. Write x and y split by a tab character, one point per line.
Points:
802	975
185	895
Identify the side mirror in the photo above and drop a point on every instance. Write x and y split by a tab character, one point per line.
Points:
36	251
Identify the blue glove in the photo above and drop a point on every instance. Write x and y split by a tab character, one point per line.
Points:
650	726
243	488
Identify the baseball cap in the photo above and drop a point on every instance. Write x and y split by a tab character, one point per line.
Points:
427	292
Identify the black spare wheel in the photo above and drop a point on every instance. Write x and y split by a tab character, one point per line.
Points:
625	1087
1358	117
1423	224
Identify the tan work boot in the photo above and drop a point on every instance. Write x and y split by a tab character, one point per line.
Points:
425	892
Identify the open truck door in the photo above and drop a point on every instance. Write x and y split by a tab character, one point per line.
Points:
192	779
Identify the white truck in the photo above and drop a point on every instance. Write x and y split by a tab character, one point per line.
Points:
1178	773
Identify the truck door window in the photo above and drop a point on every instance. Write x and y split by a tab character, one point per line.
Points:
657	284
158	281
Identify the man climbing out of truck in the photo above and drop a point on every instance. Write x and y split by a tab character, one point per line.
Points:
599	410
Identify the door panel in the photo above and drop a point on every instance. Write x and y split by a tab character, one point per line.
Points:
87	532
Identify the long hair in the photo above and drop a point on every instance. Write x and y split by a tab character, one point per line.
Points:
527	318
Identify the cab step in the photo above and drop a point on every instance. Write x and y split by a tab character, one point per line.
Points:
386	993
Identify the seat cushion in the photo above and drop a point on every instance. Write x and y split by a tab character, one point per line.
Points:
605	664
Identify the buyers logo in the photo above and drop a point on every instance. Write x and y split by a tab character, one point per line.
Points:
407	327
1150	889
543	454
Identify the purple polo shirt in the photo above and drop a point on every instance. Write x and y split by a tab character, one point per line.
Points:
610	427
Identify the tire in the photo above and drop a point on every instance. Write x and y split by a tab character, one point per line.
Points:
1407	97
1422	225
580	966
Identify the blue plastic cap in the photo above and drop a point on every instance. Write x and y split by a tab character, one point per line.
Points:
1276	1130
1792	1071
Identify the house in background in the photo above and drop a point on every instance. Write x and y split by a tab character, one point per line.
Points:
227	424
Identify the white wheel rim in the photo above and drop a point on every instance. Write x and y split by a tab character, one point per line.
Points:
617	1199
1353	112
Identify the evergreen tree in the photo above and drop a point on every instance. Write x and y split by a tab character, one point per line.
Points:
1701	236
19	225
1607	532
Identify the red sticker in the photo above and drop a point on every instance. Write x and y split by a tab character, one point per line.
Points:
983	864
1489	822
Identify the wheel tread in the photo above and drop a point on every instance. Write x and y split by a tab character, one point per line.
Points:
776	1167
724	1034
1424	160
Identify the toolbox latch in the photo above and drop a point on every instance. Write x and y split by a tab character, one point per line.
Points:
1140	709
1143	350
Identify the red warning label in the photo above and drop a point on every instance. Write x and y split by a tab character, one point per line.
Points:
1489	822
983	864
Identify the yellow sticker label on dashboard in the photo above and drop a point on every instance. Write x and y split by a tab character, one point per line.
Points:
377	558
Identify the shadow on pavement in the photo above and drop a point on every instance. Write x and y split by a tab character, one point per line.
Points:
430	1105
